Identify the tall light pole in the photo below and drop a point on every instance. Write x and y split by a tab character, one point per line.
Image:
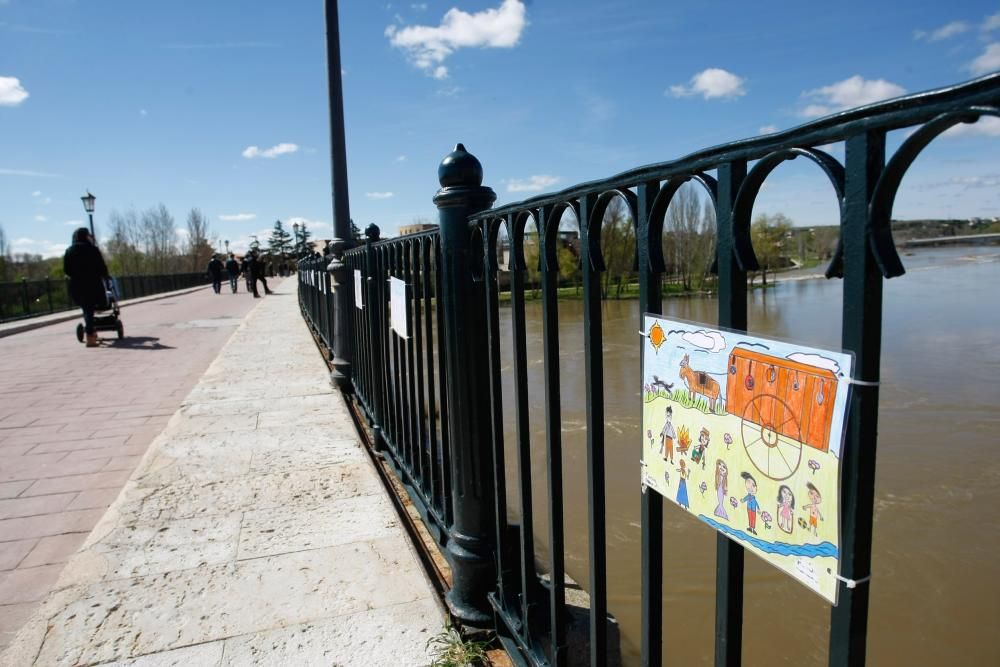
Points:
88	206
295	231
227	246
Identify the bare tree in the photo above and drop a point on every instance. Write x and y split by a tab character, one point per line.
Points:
617	246
159	238
122	243
199	249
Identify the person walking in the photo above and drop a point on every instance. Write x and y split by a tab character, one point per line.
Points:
233	269
215	267
245	270
85	267
257	272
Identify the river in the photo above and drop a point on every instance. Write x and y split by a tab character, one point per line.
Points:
934	592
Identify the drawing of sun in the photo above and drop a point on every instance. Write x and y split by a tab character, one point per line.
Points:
657	337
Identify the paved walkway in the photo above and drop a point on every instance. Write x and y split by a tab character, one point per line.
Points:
74	423
254	531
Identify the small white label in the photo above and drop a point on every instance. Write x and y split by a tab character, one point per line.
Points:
359	289
397	306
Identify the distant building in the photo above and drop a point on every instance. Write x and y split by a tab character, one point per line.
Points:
415	228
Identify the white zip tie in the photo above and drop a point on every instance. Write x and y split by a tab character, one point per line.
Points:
852	583
644	334
862	383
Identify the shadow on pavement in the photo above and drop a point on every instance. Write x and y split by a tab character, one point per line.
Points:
138	343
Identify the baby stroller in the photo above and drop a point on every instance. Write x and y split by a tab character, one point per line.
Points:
106	316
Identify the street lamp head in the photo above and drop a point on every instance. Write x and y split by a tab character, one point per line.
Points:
88	202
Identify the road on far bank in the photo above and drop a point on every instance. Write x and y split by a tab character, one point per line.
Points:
74	423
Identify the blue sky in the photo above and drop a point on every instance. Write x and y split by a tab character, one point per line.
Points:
222	105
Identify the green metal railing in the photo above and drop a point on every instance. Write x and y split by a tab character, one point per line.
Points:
494	562
33	298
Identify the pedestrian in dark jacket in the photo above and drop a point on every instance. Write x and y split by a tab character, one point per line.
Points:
258	271
215	267
233	269
85	267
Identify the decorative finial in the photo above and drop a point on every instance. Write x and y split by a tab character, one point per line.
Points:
460	168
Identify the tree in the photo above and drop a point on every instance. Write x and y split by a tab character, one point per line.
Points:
304	236
199	249
617	246
122	243
769	234
356	234
159	239
689	232
280	243
4	256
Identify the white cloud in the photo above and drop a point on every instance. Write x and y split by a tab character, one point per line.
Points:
991	23
251	152
535	183
768	129
986	126
429	46
847	94
970	182
12	92
237	217
401	158
707	340
318	229
43	247
712	83
815	360
143	113
182	233
379	195
419	6
74	223
36	193
41	218
988	61
944	32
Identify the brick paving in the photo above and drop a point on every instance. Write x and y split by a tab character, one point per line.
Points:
74	423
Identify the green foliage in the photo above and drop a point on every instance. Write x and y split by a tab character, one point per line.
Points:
770	235
280	243
450	649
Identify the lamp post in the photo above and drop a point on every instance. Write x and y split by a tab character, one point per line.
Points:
227	246
295	231
88	206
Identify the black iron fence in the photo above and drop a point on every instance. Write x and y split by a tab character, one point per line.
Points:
31	298
434	397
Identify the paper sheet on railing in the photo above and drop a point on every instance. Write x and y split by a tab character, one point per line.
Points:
397	306
745	434
359	284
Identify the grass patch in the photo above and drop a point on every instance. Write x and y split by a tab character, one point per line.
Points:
450	649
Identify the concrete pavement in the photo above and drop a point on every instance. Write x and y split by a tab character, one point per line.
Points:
74	423
254	531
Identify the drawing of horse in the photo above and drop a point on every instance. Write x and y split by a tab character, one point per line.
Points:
699	382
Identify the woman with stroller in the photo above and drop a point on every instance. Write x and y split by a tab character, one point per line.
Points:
85	267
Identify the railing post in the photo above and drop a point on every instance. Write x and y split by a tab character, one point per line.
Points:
471	538
342	315
48	292
376	330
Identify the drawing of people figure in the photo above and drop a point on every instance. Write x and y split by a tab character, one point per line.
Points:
667	436
682	489
699	450
815	516
786	503
721	487
751	500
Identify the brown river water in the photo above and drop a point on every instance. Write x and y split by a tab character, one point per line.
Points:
935	589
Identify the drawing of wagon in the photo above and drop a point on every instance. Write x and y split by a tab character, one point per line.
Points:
784	405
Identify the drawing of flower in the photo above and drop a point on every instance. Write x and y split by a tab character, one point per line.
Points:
728	439
732	501
766	518
813	465
703	488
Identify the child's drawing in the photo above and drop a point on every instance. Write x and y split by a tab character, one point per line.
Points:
779	409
